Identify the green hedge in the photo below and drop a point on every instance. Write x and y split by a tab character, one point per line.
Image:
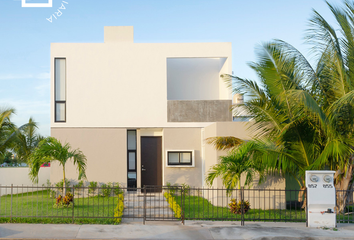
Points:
176	208
118	211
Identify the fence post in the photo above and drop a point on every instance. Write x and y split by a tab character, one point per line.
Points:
306	207
144	205
73	205
12	187
335	204
242	207
182	202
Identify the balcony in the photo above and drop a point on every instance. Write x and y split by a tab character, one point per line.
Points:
199	111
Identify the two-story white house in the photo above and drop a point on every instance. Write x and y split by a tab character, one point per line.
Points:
141	112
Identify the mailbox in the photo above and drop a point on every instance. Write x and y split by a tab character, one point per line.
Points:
321	199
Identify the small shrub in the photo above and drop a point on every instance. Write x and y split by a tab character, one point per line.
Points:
64	202
176	208
235	207
60	185
53	194
116	189
48	184
48	187
118	211
79	188
171	188
92	187
79	184
106	189
186	188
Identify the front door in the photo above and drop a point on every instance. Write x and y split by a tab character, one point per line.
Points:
151	161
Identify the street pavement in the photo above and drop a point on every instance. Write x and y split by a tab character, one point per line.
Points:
175	230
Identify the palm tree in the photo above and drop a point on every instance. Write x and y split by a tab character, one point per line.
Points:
277	117
27	140
50	149
335	50
288	110
234	164
7	130
306	113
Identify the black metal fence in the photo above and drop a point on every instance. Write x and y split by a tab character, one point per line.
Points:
345	206
111	204
82	204
244	205
91	204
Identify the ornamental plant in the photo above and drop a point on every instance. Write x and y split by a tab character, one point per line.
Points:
176	208
117	189
118	211
92	187
64	202
106	189
235	207
51	149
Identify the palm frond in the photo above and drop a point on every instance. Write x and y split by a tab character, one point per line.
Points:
224	143
51	149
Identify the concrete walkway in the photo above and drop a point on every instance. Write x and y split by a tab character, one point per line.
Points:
174	230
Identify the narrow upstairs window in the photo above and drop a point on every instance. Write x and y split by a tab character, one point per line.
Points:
60	89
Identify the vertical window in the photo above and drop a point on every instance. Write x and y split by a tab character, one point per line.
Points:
60	89
131	148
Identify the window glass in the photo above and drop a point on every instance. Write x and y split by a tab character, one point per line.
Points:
131	140
186	157
131	175
60	112
179	158
173	157
60	79
131	156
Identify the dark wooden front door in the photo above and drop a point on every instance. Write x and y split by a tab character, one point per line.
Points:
151	161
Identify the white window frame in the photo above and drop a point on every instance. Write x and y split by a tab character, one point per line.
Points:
49	4
179	165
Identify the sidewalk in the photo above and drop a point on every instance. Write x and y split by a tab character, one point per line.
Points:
174	230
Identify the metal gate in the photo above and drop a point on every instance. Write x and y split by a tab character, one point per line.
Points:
154	203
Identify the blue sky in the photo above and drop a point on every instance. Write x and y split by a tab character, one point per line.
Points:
26	35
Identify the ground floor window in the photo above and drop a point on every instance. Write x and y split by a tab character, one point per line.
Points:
180	157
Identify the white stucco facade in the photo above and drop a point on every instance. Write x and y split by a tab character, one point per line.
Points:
120	83
169	92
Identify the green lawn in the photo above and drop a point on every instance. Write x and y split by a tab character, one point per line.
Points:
37	207
199	208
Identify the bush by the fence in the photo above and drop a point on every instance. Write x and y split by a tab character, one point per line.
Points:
106	189
235	207
118	211
65	202
92	187
173	205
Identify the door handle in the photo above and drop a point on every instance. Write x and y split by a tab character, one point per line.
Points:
143	169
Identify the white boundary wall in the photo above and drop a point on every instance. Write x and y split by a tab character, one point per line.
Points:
19	177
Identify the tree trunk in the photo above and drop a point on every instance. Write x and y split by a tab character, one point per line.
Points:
302	196
64	184
239	190
344	185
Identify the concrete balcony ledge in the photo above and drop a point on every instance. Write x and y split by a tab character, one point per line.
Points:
199	111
